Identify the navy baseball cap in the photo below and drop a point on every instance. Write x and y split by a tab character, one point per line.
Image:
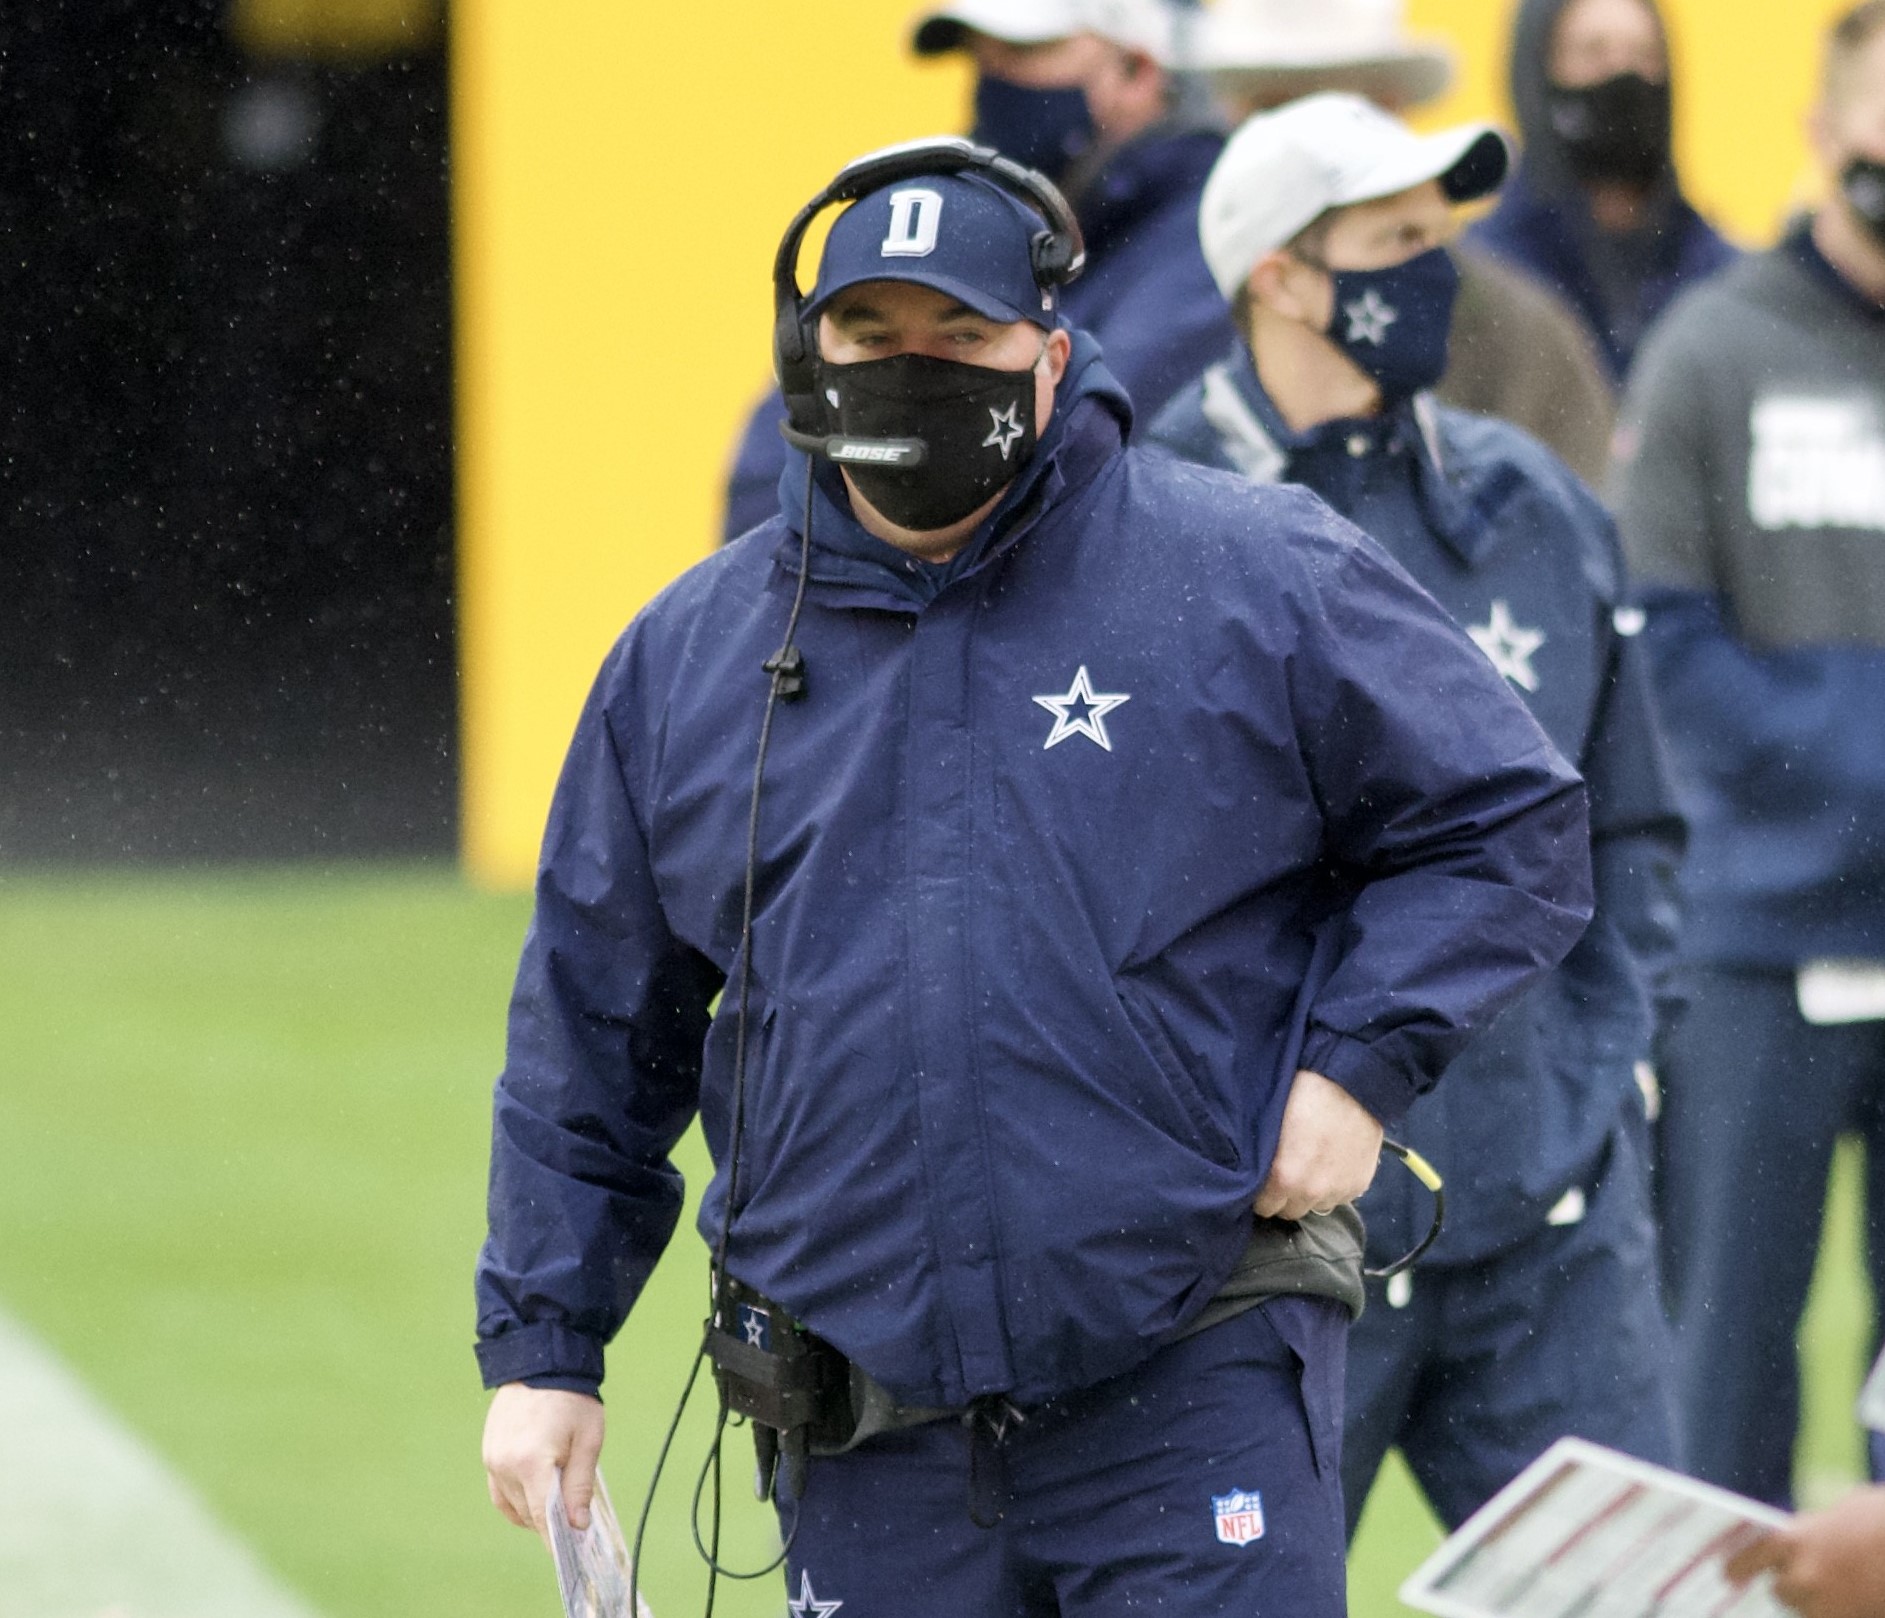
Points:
957	233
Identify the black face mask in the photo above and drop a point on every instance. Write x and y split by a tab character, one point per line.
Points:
1620	130
1862	181
977	426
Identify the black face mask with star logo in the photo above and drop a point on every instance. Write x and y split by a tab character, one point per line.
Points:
976	425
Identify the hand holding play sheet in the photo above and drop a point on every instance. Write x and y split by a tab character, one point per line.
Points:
1584	1532
1828	1565
592	1565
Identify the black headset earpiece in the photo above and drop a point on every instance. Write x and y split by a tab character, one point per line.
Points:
1053	257
1057	254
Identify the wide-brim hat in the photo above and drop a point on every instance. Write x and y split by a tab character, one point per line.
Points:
1280	49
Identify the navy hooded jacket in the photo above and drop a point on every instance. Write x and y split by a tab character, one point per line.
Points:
1516	548
1072	853
1146	295
1543	223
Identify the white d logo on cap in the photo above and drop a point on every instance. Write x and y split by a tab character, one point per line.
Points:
915	219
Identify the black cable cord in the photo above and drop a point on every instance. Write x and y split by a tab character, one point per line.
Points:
1429	1176
711	1467
787	670
654	1482
713	1458
786	667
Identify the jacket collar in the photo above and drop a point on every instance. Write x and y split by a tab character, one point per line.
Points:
855	568
1805	253
1260	444
1168	161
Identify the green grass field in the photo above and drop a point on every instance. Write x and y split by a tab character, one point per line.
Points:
242	1131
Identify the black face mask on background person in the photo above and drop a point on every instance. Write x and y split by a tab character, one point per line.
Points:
1049	130
1862	183
976	424
1621	130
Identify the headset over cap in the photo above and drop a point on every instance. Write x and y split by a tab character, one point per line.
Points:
943	213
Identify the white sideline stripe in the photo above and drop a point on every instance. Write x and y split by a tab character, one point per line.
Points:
94	1525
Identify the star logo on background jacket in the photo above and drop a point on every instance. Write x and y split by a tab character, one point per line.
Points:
1005	430
1509	646
1081	712
808	1605
1369	317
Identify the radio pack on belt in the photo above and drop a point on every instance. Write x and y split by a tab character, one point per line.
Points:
792	1387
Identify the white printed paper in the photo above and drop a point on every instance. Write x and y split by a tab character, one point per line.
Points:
1872	1399
592	1567
1585	1532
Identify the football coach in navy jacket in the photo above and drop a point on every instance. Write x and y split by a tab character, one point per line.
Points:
1327	220
1139	844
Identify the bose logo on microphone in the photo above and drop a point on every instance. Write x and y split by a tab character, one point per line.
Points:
879	454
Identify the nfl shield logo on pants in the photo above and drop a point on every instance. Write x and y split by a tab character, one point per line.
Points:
1239	1517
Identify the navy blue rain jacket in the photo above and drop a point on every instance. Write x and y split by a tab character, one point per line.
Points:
1146	295
1515	548
1073	851
1543	223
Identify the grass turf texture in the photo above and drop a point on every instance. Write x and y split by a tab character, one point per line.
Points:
242	1134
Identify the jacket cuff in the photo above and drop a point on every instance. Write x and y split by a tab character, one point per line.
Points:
1385	1090
567	1384
549	1349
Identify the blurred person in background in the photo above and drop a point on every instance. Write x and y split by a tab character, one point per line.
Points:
1517	350
1326	223
1082	91
1750	488
1596	210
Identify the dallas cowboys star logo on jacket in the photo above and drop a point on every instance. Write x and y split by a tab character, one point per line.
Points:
1081	712
1369	317
1509	646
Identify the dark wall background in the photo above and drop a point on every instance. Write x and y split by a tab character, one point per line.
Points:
225	455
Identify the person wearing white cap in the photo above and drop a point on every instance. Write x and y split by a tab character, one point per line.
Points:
1058	80
1325	223
1518	350
1082	91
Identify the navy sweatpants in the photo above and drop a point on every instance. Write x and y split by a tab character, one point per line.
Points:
1754	1099
1206	1481
1483	1367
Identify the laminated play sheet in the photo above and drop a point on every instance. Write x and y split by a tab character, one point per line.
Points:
1585	1532
592	1567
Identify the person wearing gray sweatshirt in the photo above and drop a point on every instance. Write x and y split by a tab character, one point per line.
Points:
1750	490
